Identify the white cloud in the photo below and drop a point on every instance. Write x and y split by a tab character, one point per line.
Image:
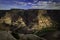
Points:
29	3
21	3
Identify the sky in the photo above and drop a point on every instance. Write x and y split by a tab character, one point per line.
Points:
23	4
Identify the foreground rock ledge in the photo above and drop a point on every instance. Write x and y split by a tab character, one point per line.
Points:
4	35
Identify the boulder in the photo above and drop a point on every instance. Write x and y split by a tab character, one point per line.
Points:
30	37
4	35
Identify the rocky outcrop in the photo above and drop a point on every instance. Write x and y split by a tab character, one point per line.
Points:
30	37
4	35
25	23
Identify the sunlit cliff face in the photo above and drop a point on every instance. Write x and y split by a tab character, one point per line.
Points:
7	18
43	21
19	22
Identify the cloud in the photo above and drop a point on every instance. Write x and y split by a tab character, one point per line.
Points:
20	3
